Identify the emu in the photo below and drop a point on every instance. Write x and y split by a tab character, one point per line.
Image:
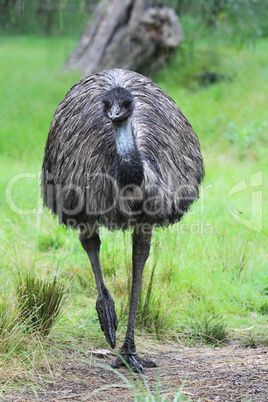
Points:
120	153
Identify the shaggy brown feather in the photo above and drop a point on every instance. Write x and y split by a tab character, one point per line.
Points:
78	181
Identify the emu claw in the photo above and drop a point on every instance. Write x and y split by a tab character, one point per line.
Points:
135	362
107	316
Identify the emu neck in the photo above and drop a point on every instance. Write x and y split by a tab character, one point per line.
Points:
125	142
128	169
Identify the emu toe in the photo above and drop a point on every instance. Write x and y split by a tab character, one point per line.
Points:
134	361
107	317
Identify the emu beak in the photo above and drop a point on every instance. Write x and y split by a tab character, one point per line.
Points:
114	114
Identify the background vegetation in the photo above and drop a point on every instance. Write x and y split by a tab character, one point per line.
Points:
207	278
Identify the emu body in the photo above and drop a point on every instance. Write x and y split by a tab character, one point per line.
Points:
120	153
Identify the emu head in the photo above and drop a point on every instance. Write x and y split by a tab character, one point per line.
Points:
118	104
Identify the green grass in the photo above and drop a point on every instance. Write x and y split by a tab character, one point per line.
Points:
211	265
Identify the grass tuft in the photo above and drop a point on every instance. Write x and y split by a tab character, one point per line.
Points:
210	330
11	331
264	308
140	388
40	302
250	342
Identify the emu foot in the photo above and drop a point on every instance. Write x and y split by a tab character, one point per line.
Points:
135	362
107	316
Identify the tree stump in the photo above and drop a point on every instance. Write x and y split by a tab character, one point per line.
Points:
133	34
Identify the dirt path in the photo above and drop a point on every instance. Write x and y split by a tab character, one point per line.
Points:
206	374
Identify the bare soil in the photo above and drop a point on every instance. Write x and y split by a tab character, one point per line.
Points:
230	373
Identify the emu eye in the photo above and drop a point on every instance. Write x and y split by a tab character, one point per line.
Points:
106	104
127	104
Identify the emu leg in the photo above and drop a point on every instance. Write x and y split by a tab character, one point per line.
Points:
105	304
141	249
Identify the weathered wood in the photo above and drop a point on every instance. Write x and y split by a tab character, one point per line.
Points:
134	35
